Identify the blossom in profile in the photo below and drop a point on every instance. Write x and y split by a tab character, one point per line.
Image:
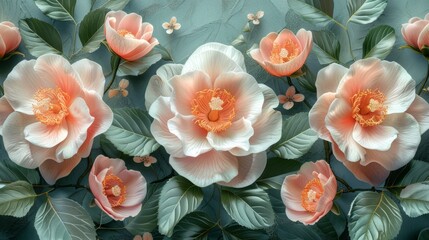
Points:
308	195
119	192
146	160
50	113
255	18
171	26
371	115
122	89
10	38
416	32
213	118
290	97
284	53
127	36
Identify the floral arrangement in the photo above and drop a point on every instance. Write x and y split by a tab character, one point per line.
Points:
291	136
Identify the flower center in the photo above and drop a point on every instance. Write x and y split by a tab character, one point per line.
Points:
51	105
311	194
114	189
285	52
126	34
368	107
214	109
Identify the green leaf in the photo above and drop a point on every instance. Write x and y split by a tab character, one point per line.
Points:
365	11
374	215
310	13
379	42
139	66
165	54
40	37
297	137
147	219
115	5
307	80
91	30
16	199
424	234
178	198
270	183
326	47
62	218
415	199
11	172
414	172
62	10
196	225
250	208
236	232
278	166
130	132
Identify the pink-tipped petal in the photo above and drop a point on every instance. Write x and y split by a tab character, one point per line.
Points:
328	78
51	170
136	187
131	23
270	98
91	75
45	136
266	46
419	109
369	137
288	105
318	113
5	111
236	136
423	40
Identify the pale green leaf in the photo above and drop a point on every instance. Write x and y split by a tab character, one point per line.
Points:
130	132
415	199
297	137
365	11
236	232
178	198
139	66
195	225
424	234
250	208
326	47
62	10
62	218
310	13
91	30
374	215
11	172
40	37
115	5
379	42
16	199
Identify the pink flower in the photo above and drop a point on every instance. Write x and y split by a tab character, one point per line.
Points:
122	88
290	97
127	36
119	192
309	194
416	32
146	236
371	115
50	113
171	26
213	118
283	54
10	38
146	160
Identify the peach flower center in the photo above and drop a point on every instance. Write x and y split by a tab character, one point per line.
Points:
368	107
285	52
51	105
214	109
126	34
114	189
311	194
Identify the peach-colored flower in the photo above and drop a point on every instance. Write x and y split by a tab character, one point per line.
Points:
371	115
127	36
10	38
122	88
416	32
172	25
290	97
255	18
146	236
119	192
309	194
50	113
283	54
146	160
213	118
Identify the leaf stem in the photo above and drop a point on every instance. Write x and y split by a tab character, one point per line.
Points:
88	168
116	61
327	149
424	83
341	180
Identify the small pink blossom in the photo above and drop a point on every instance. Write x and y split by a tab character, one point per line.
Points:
118	192
146	160
255	18
283	54
309	194
172	25
416	32
290	97
146	236
10	38
123	84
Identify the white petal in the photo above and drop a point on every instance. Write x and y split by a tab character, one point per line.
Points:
236	136
376	137
419	109
45	136
270	98
318	114
329	77
91	75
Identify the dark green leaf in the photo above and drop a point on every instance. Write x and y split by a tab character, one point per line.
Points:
278	166
195	225
91	30
16	199
326	47
307	80
365	11
379	42
115	5
40	37
424	234
416	171
62	10
236	232
11	172
139	66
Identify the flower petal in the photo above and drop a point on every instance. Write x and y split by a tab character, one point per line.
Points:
45	136
91	75
270	98
378	137
51	170
423	39
288	105
5	111
329	77
372	173
419	109
317	115
236	136
136	187
130	22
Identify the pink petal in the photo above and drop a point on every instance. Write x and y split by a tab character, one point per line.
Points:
266	46
113	18
250	168
102	162
372	173
130	22
376	137
329	77
5	110
2	48
51	170
120	213
207	168
166	25
290	92
91	75
45	136
270	98
145	32
257	56
136	187
288	105
298	97
423	40
287	35
317	115
411	31
10	36
282	99
141	50
236	136
419	109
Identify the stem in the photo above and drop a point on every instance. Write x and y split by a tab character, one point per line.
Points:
289	81
349	188
72	48
327	151
88	168
360	190
116	61
424	83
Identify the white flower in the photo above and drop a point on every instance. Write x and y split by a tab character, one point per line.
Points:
255	17
172	25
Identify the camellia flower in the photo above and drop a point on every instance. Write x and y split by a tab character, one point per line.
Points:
127	36
10	38
50	113
255	17
309	194
123	84
290	97
213	118
118	192
371	115
283	54
146	160
172	25
416	32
